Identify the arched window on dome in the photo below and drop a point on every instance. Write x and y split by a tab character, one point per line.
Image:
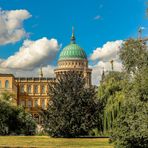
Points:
7	84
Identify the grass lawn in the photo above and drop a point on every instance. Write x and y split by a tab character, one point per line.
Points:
44	141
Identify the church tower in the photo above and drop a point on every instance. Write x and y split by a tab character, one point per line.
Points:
73	58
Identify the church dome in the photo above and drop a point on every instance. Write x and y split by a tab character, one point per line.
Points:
72	51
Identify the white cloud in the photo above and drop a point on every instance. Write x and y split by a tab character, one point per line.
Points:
27	60
32	54
48	71
108	51
98	69
97	17
11	25
103	56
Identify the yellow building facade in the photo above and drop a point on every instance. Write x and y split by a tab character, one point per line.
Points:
32	92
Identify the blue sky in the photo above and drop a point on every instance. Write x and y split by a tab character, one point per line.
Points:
100	28
117	19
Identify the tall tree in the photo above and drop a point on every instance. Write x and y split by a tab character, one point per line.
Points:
73	109
130	127
111	95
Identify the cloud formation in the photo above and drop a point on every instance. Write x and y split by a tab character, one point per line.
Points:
108	51
103	55
48	71
11	25
97	17
32	54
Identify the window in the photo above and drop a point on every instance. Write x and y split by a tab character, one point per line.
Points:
29	103
36	103
7	84
0	84
29	89
43	89
22	88
23	103
35	89
43	104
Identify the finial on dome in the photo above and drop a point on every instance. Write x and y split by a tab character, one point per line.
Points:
73	36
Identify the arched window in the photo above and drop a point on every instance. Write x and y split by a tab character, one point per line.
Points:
29	89
35	89
0	84
6	84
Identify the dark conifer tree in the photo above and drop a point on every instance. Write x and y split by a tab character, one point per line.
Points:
73	109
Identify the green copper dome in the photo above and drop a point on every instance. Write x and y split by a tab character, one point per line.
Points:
72	51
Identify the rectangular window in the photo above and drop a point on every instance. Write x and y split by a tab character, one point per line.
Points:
29	103
22	88
36	103
23	103
43	89
36	89
29	89
43	104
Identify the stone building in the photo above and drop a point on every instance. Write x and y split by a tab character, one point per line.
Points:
32	92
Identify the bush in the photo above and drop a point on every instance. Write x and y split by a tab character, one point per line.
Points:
15	121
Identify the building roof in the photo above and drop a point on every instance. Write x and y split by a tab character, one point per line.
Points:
72	51
6	75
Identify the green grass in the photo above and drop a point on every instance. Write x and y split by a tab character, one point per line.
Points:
45	141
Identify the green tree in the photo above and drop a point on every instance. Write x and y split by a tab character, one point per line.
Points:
111	95
134	55
73	109
130	127
14	120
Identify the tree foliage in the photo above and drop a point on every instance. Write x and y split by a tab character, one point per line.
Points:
134	55
130	127
111	95
14	120
73	109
